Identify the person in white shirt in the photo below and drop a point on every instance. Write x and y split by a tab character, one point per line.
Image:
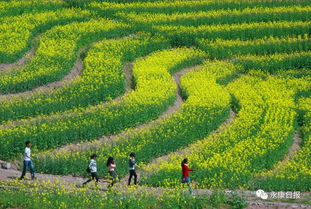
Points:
111	165
92	168
27	161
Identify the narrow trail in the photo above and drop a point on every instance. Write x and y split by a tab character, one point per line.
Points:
250	196
19	63
254	202
155	162
75	71
127	68
275	205
11	174
128	72
221	128
7	174
295	147
71	182
111	139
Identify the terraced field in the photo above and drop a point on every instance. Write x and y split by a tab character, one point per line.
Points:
225	83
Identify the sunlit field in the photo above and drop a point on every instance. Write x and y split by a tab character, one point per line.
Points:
223	83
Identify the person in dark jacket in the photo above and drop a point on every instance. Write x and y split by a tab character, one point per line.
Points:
132	165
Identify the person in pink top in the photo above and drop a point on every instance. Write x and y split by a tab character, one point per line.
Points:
111	165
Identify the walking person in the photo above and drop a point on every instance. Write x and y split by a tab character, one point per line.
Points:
185	174
92	168
132	165
111	165
28	162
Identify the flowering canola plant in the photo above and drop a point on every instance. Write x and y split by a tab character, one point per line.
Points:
16	32
101	80
257	64
16	7
202	112
250	145
219	16
56	53
220	49
154	92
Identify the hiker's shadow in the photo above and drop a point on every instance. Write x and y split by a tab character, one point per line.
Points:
12	177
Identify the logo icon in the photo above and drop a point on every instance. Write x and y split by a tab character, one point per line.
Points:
262	194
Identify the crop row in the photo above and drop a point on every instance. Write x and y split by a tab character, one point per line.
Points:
186	35
110	9
232	159
57	52
206	107
247	123
16	32
220	49
295	173
219	17
238	30
48	102
276	62
33	74
73	120
102	79
16	7
154	92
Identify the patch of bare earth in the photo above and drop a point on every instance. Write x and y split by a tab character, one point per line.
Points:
19	63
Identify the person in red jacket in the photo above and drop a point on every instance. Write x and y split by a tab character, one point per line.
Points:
185	174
